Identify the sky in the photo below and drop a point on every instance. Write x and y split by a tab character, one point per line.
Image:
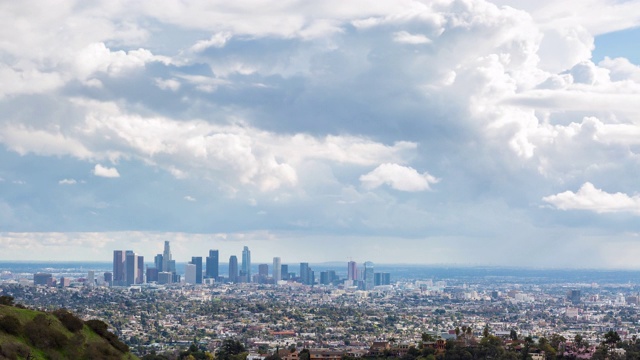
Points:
455	132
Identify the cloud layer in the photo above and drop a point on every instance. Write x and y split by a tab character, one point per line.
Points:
413	120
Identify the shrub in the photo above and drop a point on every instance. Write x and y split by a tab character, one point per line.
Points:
42	335
102	329
70	321
6	300
100	350
10	350
10	324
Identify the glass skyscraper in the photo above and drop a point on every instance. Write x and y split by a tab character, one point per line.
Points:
246	263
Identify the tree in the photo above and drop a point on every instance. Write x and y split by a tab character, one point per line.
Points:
427	337
6	300
10	324
556	340
229	348
578	341
611	338
485	332
513	334
304	354
70	321
528	340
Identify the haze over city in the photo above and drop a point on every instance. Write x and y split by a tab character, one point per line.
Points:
472	132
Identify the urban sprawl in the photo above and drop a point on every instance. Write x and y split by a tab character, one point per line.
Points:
294	315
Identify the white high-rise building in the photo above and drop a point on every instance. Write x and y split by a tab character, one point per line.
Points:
166	258
91	278
190	274
277	270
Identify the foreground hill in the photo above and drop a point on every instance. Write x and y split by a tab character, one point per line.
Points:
31	334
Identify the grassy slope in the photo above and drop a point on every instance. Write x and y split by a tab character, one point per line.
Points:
90	338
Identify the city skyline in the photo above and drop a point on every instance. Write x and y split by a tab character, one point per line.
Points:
473	131
129	269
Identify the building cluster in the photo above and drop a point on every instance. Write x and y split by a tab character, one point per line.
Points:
343	319
129	269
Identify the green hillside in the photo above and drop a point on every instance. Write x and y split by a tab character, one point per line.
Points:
30	334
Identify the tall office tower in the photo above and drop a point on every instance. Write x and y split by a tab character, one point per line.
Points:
233	269
158	262
166	258
43	279
190	273
284	271
212	265
165	277
152	274
352	270
91	278
277	268
304	273
108	278
140	277
574	296
130	267
369	279
328	277
246	263
386	279
118	267
324	278
197	261
263	270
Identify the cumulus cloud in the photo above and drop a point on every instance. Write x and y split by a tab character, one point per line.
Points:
621	69
295	104
407	38
591	198
98	58
217	40
168	84
104	171
67	182
190	198
398	177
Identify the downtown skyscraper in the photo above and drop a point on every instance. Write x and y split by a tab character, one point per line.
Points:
128	268
277	270
352	270
369	279
233	269
197	261
245	271
212	265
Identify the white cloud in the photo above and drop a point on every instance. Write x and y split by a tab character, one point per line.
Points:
217	40
399	177
590	198
98	58
290	104
190	198
407	38
621	69
46	142
168	84
598	16
27	81
67	182
107	172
